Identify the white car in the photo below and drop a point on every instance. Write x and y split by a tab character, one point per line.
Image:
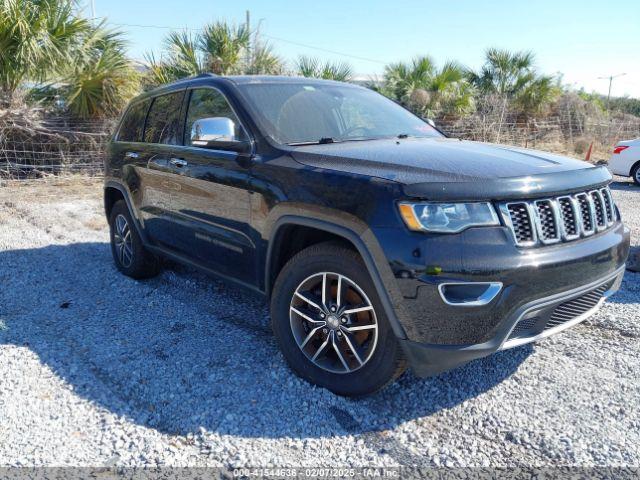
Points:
625	159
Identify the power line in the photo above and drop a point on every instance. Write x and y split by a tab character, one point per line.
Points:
324	49
277	39
610	78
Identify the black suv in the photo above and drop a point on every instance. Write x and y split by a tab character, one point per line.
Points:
379	241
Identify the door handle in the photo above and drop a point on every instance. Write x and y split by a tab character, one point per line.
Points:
157	163
131	155
178	162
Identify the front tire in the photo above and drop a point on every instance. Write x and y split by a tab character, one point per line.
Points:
330	324
129	253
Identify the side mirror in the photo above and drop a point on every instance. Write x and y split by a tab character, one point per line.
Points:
217	133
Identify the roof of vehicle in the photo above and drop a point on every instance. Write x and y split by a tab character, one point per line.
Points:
238	80
248	79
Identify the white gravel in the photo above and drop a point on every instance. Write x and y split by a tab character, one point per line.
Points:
97	369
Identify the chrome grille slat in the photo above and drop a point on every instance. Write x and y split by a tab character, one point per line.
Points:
599	209
570	220
608	205
546	221
586	213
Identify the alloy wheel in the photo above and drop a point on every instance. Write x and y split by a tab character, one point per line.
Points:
123	241
333	322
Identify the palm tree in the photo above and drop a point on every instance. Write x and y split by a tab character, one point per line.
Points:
220	48
312	67
182	59
100	80
504	72
537	95
263	59
37	37
224	46
512	76
427	90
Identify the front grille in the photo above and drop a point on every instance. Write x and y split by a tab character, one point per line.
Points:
566	218
576	307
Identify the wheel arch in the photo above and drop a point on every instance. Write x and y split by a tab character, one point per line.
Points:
364	243
114	191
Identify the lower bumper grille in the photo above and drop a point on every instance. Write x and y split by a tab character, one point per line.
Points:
536	323
576	307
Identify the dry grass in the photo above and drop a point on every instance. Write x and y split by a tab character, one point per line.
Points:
43	189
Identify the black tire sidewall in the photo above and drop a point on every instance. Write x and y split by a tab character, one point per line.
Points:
382	366
144	264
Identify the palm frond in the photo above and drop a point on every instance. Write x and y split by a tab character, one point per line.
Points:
37	39
224	46
264	60
100	80
312	67
427	90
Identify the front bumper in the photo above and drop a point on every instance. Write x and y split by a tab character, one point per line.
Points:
441	335
531	322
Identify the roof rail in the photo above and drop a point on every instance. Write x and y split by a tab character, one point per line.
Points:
206	74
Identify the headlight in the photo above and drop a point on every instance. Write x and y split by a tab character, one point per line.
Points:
448	217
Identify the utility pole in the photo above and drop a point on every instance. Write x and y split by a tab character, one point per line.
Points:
248	24
610	78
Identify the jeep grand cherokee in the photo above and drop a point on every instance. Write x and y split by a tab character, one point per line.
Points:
379	241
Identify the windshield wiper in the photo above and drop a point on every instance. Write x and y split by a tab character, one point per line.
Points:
323	140
403	135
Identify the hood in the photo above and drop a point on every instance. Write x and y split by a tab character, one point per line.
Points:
439	164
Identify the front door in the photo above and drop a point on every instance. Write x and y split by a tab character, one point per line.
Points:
211	200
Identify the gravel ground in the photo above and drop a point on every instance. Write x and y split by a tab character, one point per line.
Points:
97	369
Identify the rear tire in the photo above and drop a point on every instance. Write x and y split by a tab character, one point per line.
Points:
635	173
339	350
129	253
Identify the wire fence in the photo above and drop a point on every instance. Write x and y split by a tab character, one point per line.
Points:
60	146
52	147
558	134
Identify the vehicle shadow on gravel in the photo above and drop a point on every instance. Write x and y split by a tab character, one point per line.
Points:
624	185
184	354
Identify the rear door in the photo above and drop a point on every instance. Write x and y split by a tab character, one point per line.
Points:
162	142
211	201
150	196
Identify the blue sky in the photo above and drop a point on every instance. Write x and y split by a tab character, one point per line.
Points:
582	39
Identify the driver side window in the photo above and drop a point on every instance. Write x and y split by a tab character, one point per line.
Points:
207	103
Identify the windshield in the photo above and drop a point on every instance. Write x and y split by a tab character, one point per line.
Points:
296	113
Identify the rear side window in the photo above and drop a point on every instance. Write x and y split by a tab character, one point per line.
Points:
133	123
163	121
206	103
